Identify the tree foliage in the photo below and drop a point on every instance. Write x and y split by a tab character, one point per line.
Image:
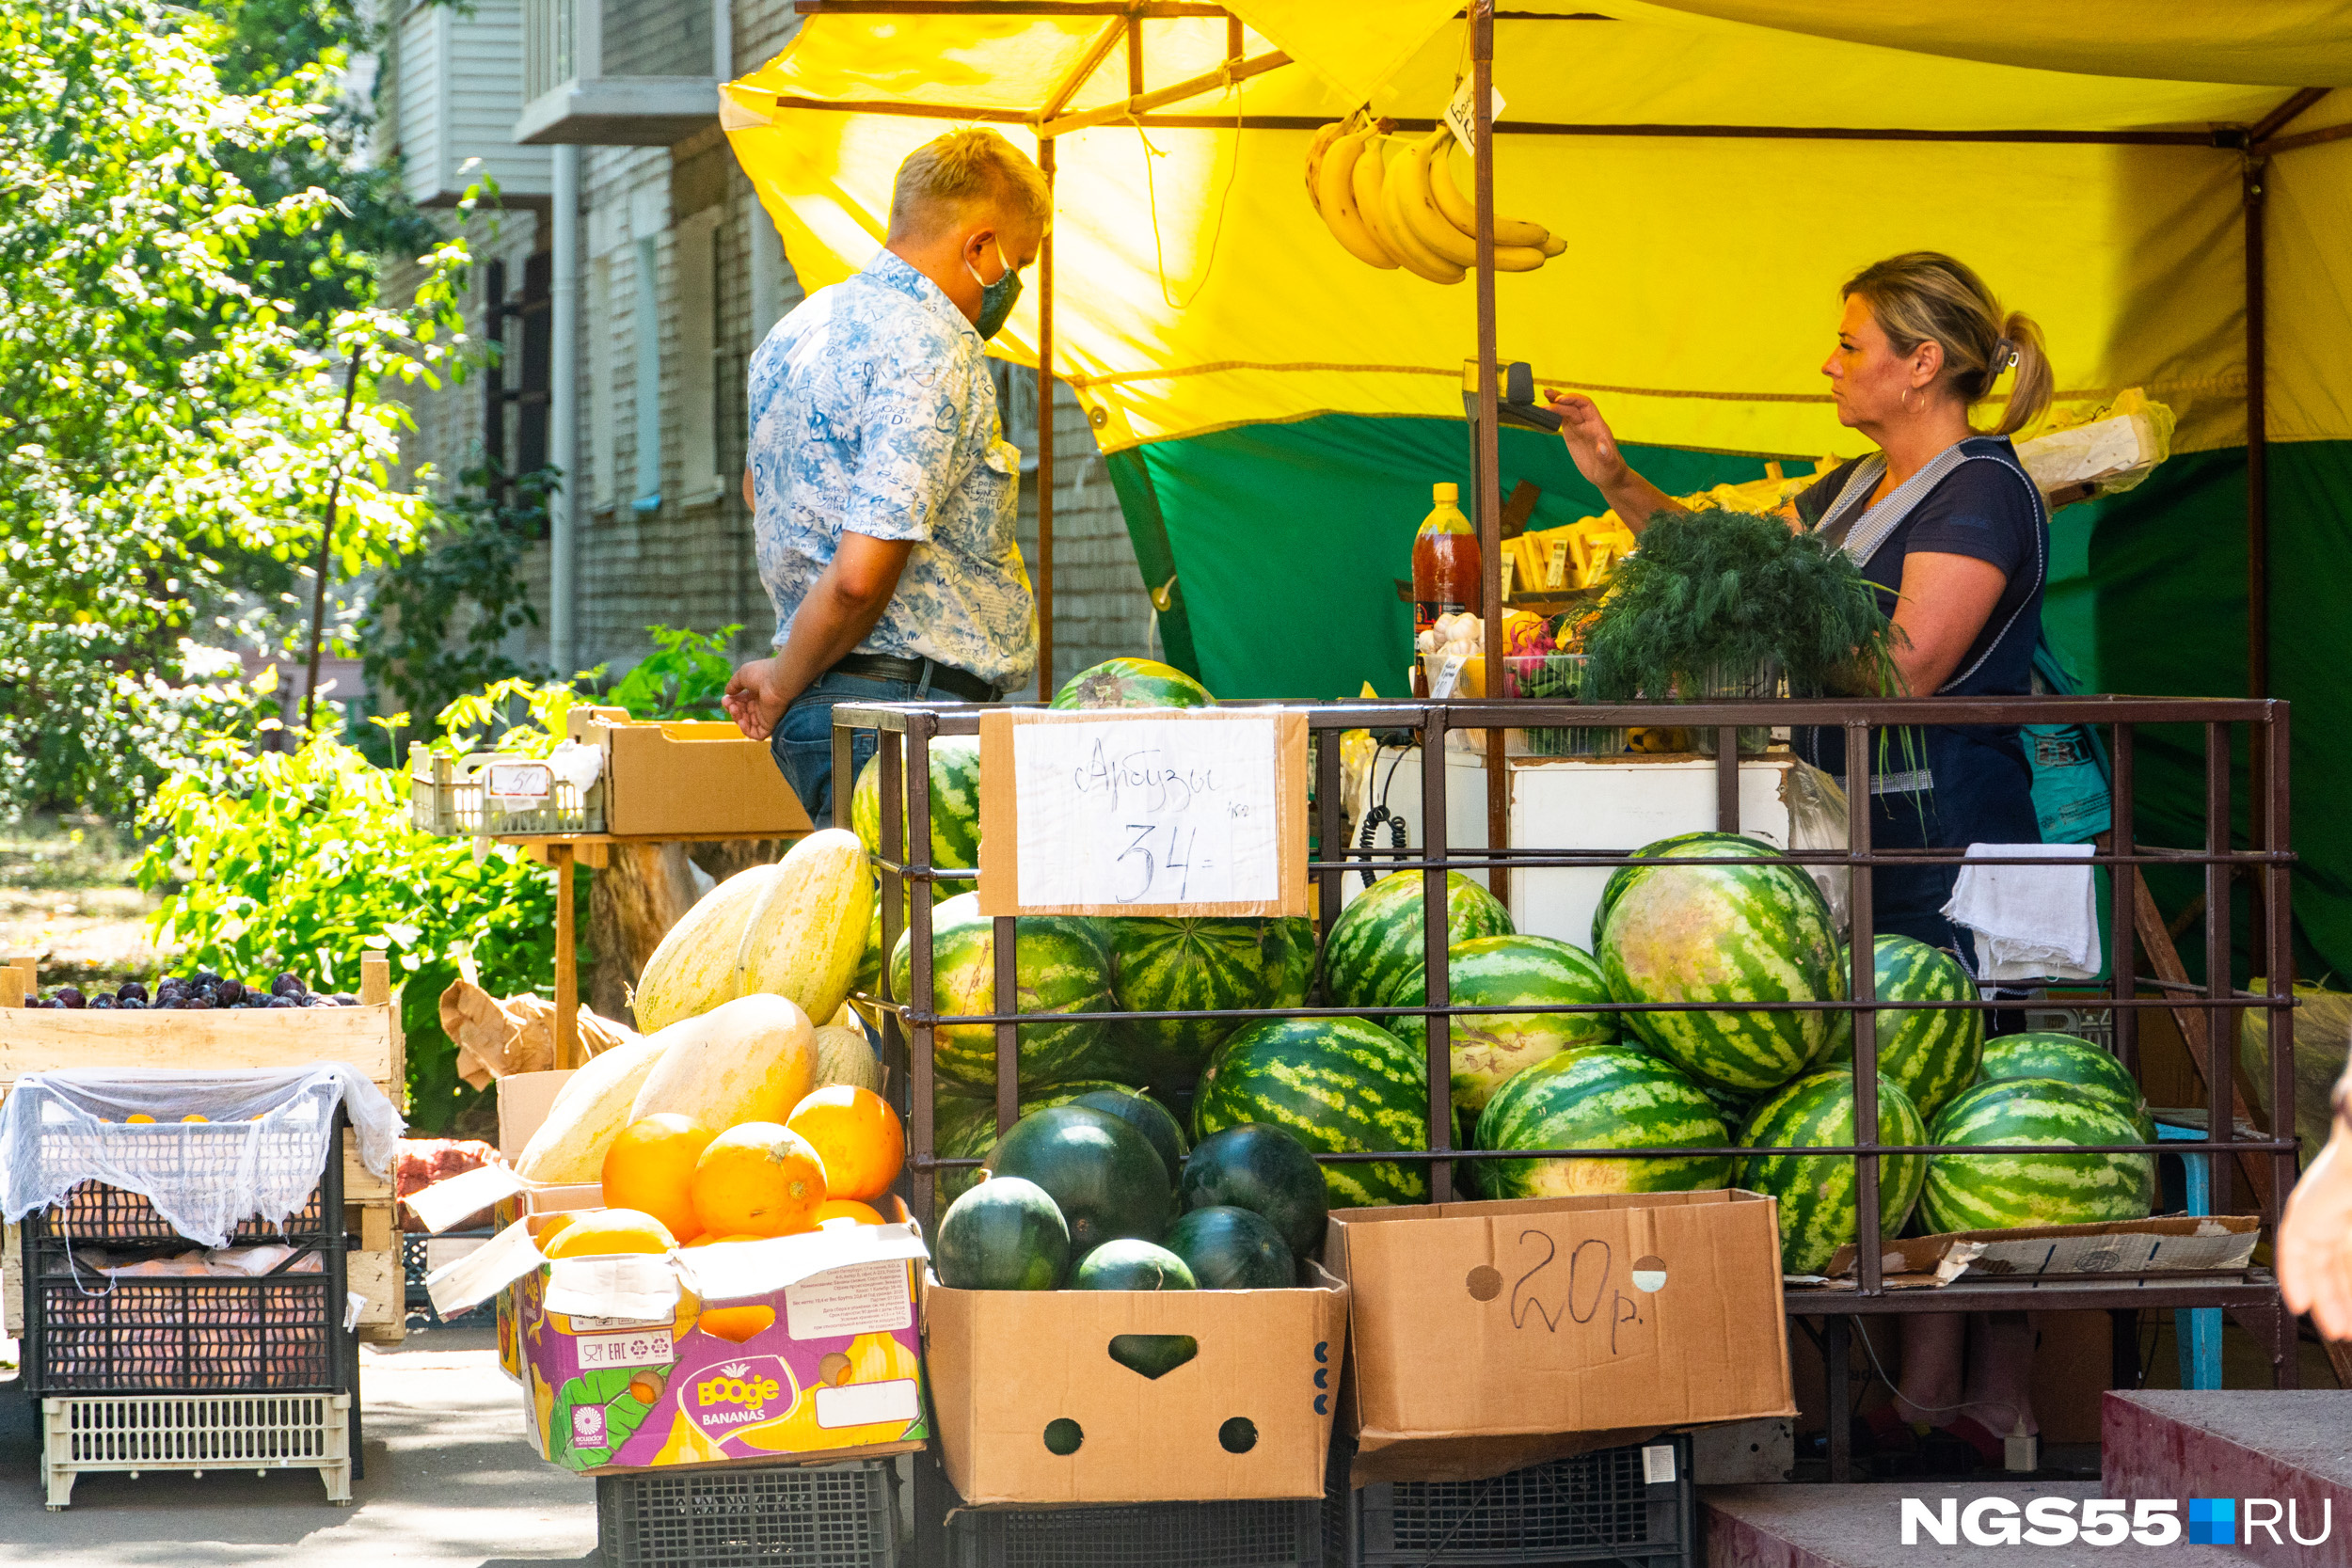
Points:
173	385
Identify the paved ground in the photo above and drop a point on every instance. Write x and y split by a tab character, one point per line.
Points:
448	1482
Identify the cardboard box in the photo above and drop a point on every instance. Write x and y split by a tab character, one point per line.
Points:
1249	1415
796	1346
524	1098
2119	1250
1492	1335
689	778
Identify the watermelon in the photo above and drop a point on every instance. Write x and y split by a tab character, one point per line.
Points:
1147	1116
1617	878
1378	937
1818	1212
1734	1108
2070	1059
1180	965
1508	972
1231	1249
1132	683
867	980
963	1128
1288	945
1930	1056
1100	1172
1124	1263
1063	968
2037	1185
1338	1086
1003	1235
955	809
1725	933
1603	1096
1264	1170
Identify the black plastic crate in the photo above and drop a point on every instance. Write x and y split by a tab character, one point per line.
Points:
1599	1507
712	1516
1233	1535
272	1334
96	1215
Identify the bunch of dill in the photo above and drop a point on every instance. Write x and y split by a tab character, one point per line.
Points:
1716	589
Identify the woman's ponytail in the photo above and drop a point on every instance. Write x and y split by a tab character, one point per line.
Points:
2029	393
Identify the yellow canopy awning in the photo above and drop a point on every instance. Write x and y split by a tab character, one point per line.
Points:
1717	166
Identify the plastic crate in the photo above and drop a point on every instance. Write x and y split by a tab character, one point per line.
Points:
1600	1507
1235	1534
197	1432
94	1214
714	1516
273	1335
450	796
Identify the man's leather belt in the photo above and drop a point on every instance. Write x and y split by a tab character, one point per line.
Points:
940	677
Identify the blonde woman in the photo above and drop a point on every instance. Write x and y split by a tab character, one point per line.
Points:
1948	524
1945	521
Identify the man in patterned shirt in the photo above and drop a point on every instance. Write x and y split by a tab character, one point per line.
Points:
882	491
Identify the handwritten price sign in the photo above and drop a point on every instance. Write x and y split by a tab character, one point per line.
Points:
1142	813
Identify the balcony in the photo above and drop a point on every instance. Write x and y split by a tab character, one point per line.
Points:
622	72
453	77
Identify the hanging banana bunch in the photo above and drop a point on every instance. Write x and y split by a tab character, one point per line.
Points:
1392	203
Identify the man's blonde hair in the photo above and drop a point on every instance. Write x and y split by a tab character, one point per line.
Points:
947	177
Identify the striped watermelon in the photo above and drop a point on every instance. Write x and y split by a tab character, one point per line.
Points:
1617	878
1507	972
1288	944
1930	1056
1062	966
1603	1096
1132	683
963	1128
1817	1206
2036	1185
1378	937
1732	934
2070	1059
1337	1085
1181	964
955	809
1733	1107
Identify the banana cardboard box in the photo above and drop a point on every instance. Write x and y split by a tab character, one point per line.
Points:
793	1346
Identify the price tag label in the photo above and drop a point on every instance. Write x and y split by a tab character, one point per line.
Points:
1556	564
519	780
1449	677
1510	568
1142	813
1459	112
643	1347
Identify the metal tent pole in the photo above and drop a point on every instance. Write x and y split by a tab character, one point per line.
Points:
1045	434
1487	478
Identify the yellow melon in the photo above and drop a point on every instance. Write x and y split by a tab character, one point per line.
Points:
795	929
588	1114
751	1059
844	1057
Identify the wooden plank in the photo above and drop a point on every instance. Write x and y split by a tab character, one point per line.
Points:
376	1231
2195	1025
377	1276
360	1184
384	1334
366	1037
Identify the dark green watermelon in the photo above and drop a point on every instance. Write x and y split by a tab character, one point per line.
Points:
1128	1264
1231	1249
1337	1085
1266	1171
1132	683
1181	964
1147	1117
1002	1235
1101	1174
964	1128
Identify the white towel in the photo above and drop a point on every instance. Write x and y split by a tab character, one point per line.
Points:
2032	921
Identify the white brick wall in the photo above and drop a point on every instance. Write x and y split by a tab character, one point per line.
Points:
691	566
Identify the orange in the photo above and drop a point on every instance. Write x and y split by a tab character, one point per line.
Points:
138	1117
712	1238
847	1210
759	1178
194	1118
857	1134
554	1223
735	1325
605	1231
650	1164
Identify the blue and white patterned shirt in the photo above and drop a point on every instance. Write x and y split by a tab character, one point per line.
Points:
872	410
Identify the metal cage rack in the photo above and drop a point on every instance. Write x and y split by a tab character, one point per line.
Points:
906	732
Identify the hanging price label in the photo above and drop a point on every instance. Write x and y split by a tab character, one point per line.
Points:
1143	813
1458	114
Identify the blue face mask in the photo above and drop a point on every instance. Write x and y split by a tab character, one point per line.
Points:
998	298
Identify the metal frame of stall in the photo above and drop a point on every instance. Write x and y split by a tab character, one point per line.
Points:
2250	1296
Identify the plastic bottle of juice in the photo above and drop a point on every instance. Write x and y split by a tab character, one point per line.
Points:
1446	576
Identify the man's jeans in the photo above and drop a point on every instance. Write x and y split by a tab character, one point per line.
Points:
802	741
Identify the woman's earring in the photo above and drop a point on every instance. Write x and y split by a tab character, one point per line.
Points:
1905	399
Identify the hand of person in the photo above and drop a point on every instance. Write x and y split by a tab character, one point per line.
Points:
1588	438
752	699
2314	1250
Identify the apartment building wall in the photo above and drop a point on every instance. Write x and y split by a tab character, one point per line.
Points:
681	275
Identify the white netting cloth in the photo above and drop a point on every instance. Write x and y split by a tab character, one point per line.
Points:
260	1149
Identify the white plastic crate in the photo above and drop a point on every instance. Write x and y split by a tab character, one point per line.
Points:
137	1433
451	796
